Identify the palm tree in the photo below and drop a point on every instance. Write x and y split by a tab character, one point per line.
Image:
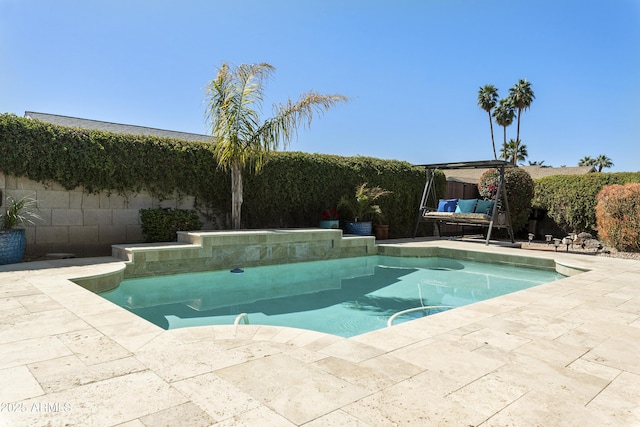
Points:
602	162
514	151
504	114
487	100
587	161
538	163
521	96
240	137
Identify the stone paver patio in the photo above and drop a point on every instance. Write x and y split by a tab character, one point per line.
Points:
564	353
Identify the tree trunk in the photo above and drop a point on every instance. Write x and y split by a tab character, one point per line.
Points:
505	144
236	196
515	156
493	142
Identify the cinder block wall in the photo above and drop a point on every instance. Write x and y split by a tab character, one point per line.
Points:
79	223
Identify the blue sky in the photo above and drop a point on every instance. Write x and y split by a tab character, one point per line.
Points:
411	67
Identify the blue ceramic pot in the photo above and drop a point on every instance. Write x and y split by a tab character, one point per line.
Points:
12	245
358	228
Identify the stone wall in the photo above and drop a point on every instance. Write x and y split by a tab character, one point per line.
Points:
225	250
79	223
221	250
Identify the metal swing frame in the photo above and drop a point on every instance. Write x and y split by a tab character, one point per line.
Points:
427	213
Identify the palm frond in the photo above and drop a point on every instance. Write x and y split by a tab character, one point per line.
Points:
504	113
20	212
239	138
487	97
235	102
283	126
522	95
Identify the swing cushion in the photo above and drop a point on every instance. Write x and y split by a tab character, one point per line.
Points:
466	206
448	205
484	207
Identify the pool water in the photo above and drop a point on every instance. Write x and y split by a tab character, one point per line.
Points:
344	297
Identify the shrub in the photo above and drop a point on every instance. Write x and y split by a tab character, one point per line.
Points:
570	200
618	216
519	186
162	224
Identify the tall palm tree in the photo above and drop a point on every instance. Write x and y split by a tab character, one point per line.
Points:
487	100
602	162
514	151
521	96
240	137
504	114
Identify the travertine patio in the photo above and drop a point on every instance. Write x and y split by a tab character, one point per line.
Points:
564	353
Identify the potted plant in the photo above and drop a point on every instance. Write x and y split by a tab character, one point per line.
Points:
13	241
329	219
363	208
380	228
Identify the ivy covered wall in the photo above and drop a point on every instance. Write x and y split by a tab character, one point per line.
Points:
291	191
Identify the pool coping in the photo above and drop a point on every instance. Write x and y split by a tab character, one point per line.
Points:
558	353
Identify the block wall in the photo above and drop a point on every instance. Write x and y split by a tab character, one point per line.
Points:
79	223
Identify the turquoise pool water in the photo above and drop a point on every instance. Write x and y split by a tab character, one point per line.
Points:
344	297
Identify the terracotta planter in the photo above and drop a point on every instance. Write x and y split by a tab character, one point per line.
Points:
381	231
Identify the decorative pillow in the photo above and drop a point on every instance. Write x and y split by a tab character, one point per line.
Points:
484	207
466	206
448	205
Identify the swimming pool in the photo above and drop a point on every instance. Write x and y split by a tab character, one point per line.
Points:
344	297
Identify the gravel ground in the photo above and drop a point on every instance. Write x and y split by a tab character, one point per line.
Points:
626	255
606	251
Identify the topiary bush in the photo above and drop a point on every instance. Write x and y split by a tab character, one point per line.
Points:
618	216
162	224
520	188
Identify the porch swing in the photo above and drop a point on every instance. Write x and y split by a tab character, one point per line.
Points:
473	212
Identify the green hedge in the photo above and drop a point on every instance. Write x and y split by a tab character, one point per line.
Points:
294	188
291	191
103	161
162	224
570	200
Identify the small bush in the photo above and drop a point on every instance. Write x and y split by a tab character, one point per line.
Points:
162	225
519	187
618	216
